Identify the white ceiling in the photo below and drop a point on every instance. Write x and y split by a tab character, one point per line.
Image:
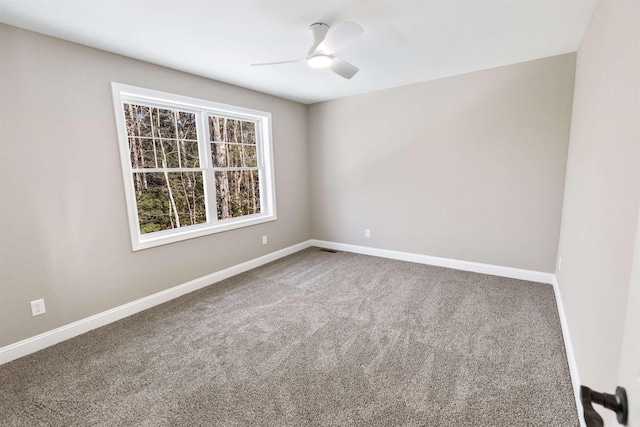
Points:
405	41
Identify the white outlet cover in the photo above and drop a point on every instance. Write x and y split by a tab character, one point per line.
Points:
37	307
264	240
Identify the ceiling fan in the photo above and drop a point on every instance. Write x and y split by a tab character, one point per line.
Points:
322	52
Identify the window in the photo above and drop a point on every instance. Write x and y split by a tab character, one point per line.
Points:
191	167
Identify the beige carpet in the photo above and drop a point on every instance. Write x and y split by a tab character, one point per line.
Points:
316	338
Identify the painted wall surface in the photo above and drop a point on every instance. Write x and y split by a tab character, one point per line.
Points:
470	167
629	372
602	191
64	222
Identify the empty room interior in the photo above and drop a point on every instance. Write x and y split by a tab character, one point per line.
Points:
288	213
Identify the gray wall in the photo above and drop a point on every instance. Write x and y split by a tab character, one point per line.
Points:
470	167
64	221
602	191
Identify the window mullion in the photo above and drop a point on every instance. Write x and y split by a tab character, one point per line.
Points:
163	170
207	164
260	163
153	138
259	137
238	168
176	115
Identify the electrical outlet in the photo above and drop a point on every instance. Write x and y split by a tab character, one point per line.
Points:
559	263
37	307
367	233
264	240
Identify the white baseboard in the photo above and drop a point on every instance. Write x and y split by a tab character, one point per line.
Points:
47	339
44	340
571	359
496	270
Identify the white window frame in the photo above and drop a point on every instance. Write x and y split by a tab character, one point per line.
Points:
123	94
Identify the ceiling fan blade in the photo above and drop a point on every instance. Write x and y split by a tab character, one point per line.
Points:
339	38
343	68
278	63
319	32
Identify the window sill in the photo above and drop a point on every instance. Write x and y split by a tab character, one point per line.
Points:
171	236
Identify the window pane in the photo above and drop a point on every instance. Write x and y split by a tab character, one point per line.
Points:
187	126
248	133
216	124
167	152
237	193
228	130
137	120
234	155
189	154
169	200
141	150
232	128
250	156
219	155
164	123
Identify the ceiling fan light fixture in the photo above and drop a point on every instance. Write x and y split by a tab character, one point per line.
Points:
320	61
